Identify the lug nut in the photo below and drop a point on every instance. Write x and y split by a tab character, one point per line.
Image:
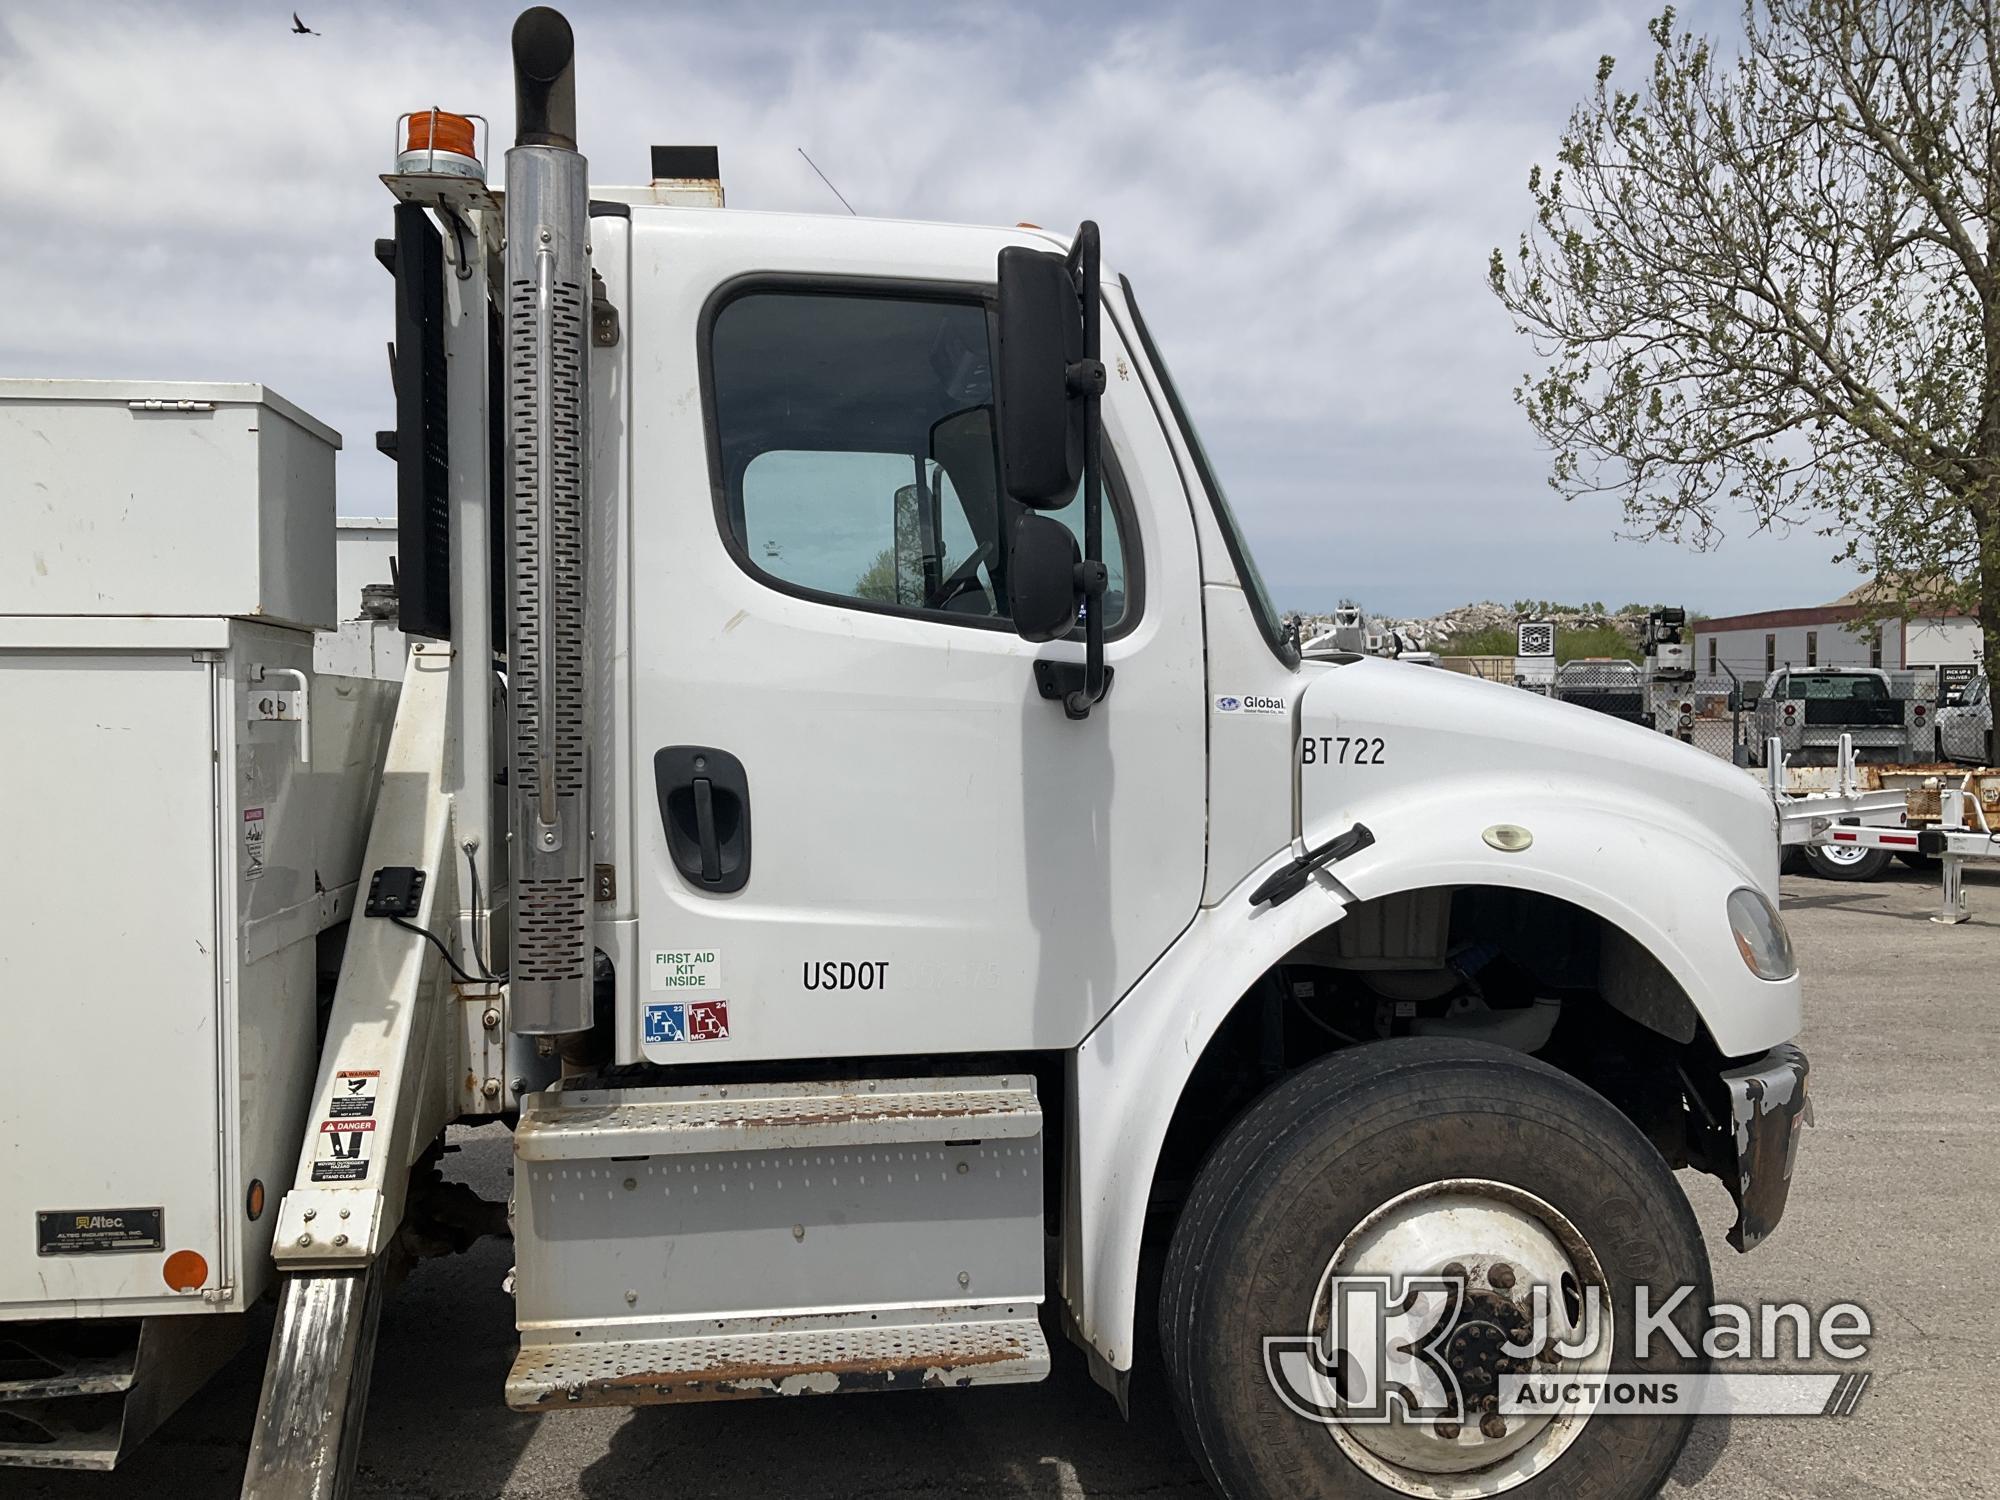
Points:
1500	1275
1448	1431
1493	1425
1454	1272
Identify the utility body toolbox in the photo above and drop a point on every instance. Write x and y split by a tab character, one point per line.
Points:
191	802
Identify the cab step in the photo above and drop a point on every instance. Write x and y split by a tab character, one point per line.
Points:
713	1243
954	1350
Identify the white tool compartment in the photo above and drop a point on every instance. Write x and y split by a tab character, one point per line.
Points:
123	497
173	859
189	800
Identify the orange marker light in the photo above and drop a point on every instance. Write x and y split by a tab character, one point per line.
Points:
253	1203
185	1270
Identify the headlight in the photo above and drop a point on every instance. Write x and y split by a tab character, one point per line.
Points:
1760	935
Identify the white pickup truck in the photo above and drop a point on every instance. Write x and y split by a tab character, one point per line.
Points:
1809	709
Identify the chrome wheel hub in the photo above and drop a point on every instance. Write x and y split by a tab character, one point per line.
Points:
1500	1244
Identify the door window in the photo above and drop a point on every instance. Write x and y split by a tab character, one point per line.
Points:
854	436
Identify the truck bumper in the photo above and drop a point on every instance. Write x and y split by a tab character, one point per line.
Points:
1769	1104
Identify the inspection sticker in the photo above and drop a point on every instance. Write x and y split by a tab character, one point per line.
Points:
340	1153
686	969
354	1093
253	843
669	1022
666	1022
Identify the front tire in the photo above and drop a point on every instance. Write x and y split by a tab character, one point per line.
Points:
1441	1149
1846	861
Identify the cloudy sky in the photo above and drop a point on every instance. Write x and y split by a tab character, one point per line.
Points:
1304	198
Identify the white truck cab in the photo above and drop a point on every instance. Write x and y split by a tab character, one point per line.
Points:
883	834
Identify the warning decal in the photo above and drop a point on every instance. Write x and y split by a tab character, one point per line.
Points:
253	843
340	1153
353	1094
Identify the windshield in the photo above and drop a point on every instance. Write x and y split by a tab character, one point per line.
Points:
1839	689
1232	533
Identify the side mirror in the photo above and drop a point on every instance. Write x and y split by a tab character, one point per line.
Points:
1042	424
1048	388
1042	568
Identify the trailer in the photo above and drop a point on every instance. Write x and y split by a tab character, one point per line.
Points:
849	807
1848	821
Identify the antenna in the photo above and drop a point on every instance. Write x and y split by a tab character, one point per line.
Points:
828	181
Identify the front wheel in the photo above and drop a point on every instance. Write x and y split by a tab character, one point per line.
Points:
1472	1167
1846	861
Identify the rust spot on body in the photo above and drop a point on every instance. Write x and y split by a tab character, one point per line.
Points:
746	1382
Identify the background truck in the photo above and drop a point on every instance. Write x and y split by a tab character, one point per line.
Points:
1606	685
851	809
1808	709
1964	727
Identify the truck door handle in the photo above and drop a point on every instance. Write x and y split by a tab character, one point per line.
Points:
704	822
705	814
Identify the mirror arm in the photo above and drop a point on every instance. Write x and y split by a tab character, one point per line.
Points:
1085	379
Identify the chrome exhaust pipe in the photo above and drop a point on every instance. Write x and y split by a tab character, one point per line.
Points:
548	316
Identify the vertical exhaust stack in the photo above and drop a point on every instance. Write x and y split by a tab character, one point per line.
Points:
548	313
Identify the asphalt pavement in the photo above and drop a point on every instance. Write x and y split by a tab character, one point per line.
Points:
1896	1206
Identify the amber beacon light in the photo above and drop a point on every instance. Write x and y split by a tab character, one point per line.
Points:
439	142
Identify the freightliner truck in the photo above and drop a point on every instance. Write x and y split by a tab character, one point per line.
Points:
851	810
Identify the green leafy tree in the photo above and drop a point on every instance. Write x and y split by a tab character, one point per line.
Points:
1499	640
896	576
1766	280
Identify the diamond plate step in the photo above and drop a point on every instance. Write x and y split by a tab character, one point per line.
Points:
794	1361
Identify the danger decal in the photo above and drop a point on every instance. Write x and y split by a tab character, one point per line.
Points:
341	1150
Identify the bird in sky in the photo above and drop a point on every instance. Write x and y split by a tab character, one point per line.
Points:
299	28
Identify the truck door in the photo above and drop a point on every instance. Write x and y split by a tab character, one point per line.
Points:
859	825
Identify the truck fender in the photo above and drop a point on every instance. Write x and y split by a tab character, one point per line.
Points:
1645	868
1126	1079
1128	1075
